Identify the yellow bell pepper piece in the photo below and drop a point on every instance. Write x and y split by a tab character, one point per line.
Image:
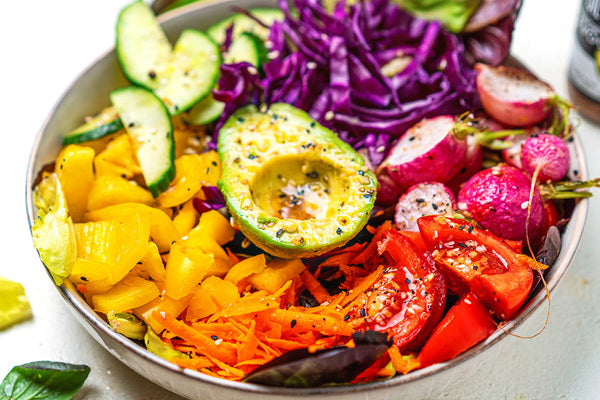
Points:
119	244
188	138
186	268
162	229
118	158
202	240
186	183
214	294
186	218
201	305
93	275
224	293
211	168
108	190
220	268
214	224
245	268
151	265
74	168
131	292
277	272
163	303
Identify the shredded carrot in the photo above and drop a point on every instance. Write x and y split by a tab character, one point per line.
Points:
402	364
371	250
192	363
205	344
232	256
248	346
314	286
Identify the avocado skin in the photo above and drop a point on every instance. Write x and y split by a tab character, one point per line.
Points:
257	145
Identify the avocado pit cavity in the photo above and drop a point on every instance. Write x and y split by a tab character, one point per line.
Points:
294	187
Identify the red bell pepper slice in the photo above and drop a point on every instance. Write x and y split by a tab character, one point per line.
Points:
467	323
475	260
409	297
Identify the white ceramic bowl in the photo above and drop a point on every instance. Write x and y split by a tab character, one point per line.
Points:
105	75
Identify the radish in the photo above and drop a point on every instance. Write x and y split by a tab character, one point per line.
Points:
473	163
428	151
389	191
428	198
545	157
513	96
498	198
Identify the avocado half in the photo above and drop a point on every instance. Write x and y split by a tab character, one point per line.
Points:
292	186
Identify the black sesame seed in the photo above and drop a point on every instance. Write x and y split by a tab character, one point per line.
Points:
214	337
293	323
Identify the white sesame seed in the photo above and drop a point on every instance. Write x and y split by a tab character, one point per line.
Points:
524	205
329	115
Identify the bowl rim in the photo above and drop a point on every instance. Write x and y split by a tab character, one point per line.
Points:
77	305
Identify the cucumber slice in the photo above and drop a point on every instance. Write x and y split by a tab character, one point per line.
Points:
142	47
191	73
147	121
245	47
242	23
205	111
105	123
179	76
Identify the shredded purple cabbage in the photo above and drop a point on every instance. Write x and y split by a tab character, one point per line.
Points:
214	200
332	66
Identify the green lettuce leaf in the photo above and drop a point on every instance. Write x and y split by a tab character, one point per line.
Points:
53	233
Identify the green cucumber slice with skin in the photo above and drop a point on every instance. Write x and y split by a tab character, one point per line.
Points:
147	121
103	124
205	111
192	72
142	47
242	23
179	75
247	47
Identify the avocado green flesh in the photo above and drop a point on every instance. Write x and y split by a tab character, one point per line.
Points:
292	186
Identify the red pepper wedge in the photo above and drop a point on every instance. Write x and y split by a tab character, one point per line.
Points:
408	299
476	260
467	323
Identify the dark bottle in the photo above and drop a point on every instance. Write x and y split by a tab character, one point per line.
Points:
584	66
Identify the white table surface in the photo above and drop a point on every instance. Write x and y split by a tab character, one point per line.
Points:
45	44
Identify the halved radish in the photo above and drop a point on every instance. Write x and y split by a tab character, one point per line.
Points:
513	96
428	151
428	198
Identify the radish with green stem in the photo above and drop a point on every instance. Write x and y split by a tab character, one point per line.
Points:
517	98
428	151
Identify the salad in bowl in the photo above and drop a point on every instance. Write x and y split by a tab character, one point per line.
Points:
308	195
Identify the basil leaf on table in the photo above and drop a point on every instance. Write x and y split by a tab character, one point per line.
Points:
43	380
